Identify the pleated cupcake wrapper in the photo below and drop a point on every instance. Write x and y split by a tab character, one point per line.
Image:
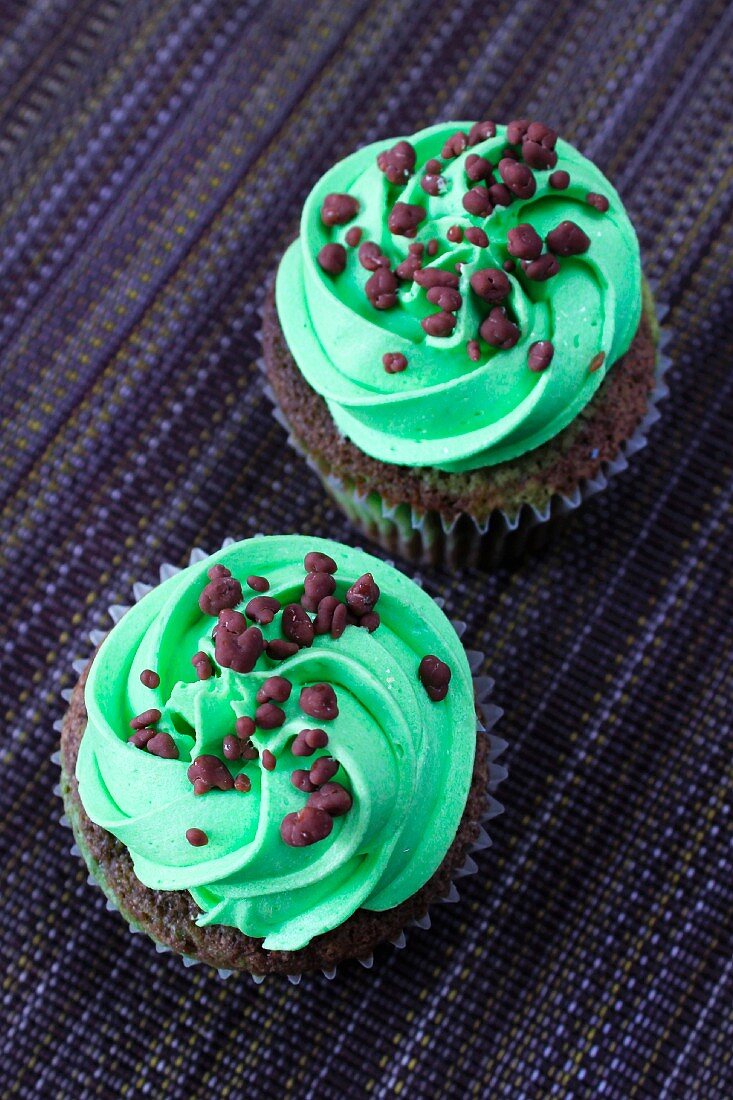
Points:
489	716
429	537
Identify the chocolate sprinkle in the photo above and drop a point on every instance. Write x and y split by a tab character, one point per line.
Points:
498	331
491	284
162	744
434	276
541	269
316	587
455	234
324	769
476	235
478	202
324	615
243	783
333	798
258	584
276	688
309	826
597	362
332	258
231	747
559	180
234	647
455	145
279	650
524	242
207	772
516	130
301	780
478	168
196	837
518	178
480	131
404	218
319	701
147	718
435	677
381	288
268	716
268	760
500	194
540	355
371	256
316	562
474	350
202	663
445	297
149	679
394	362
433	185
337	209
353	236
244	726
141	737
262	609
221	592
296	625
567	239
362	597
600	202
398	162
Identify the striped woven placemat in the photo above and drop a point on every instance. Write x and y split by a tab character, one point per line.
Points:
155	156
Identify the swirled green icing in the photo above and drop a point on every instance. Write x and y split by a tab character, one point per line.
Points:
406	761
445	410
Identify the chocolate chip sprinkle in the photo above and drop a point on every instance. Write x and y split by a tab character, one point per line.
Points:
141	737
207	772
435	677
196	837
147	718
600	202
332	258
477	236
333	798
434	276
149	679
478	168
516	130
202	663
478	202
394	362
455	234
306	827
337	209
559	180
316	587
275	688
473	349
455	145
524	242
480	131
237	647
445	297
163	745
262	609
540	355
498	331
597	362
244	726
518	178
279	650
381	288
296	625
243	783
398	162
500	194
268	760
353	236
308	740
258	584
268	716
432	247
567	239
231	747
371	256
301	780
317	562
433	185
319	701
491	284
324	769
404	218
221	592
542	268
362	597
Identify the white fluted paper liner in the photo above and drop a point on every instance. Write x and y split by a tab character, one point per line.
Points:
427	537
489	716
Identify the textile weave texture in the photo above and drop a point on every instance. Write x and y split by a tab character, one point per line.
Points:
155	159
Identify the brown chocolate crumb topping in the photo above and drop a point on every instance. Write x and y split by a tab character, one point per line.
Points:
394	362
196	837
149	679
337	209
306	827
540	355
332	258
498	331
208	772
202	663
597	362
268	760
258	584
600	202
435	677
398	162
319	701
147	718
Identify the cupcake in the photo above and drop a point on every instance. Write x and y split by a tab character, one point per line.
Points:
461	340
272	764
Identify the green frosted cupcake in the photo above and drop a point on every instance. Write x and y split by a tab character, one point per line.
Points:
273	763
460	338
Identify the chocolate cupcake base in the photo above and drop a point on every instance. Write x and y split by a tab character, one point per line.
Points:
486	517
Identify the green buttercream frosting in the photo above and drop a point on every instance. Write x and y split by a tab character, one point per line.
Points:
445	410
406	760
